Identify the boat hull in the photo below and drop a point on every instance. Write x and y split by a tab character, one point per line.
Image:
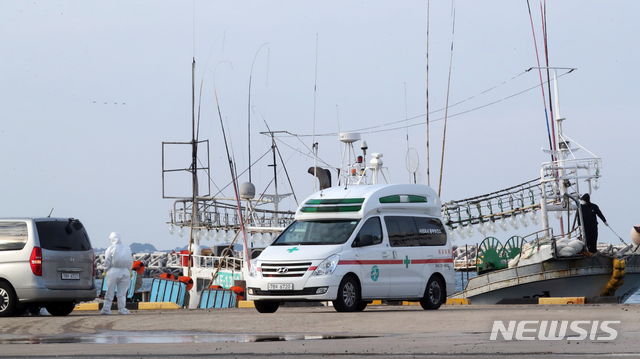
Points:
577	277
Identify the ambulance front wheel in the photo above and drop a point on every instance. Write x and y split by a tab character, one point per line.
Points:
349	299
266	306
434	294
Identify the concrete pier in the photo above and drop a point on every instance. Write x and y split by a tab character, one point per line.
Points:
310	332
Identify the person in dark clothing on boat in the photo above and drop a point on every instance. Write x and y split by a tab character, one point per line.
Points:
589	213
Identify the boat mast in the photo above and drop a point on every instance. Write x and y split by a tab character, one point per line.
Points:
276	199
194	167
427	95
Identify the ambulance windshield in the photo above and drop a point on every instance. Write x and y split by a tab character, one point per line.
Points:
317	232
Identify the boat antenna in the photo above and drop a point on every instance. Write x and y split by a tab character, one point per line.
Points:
249	107
49	216
313	140
446	107
279	156
427	95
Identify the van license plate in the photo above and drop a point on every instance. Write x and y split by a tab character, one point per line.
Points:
72	276
280	286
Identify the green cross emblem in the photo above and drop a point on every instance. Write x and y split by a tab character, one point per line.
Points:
406	261
375	273
290	250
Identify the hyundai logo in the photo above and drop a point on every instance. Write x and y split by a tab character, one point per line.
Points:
282	270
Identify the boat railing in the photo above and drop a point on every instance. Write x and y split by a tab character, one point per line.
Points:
576	170
465	264
213	262
214	213
536	241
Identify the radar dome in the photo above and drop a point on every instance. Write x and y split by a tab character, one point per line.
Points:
247	190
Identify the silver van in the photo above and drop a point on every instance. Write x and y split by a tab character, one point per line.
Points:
44	262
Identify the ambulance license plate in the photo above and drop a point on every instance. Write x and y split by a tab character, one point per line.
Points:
71	276
280	286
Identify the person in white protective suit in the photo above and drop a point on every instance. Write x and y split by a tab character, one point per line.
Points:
118	261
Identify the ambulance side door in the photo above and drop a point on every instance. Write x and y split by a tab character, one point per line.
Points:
370	252
406	271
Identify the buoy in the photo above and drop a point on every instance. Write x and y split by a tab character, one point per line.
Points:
239	291
187	281
215	286
635	235
138	266
167	276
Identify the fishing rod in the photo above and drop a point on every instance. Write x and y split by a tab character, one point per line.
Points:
249	107
213	277
446	111
235	186
546	55
544	100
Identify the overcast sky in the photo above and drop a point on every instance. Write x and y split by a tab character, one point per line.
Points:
89	90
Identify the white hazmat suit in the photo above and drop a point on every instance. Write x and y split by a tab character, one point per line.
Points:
118	261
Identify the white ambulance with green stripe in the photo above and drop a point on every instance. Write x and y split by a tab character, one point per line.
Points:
355	244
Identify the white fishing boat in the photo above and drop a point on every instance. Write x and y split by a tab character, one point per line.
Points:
239	227
544	263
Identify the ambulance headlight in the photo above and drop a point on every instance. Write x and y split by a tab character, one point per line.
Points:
253	271
327	266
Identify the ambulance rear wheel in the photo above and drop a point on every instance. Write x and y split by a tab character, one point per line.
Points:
348	296
266	306
434	294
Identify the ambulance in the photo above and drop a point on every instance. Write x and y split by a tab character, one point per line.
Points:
350	245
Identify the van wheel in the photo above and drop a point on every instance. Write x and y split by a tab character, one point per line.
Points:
348	296
60	309
434	294
7	300
362	306
266	306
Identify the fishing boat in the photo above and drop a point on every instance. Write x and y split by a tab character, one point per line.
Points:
543	263
239	226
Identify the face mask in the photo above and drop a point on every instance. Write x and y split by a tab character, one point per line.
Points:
583	202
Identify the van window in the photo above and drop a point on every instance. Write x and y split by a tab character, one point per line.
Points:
317	232
405	231
370	233
13	235
63	236
431	231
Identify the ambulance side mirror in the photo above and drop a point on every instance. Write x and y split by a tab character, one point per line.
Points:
363	240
